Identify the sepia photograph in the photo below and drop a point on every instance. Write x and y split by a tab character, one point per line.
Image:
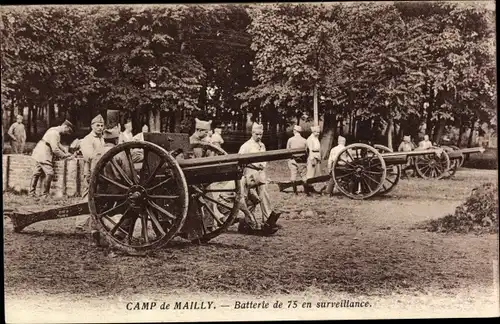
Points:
249	162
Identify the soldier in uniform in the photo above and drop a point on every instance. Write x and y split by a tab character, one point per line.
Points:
313	159
126	135
46	150
92	143
140	136
217	137
296	166
17	133
425	144
111	139
256	170
200	135
334	153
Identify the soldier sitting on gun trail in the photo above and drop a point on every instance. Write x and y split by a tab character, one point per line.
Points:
200	135
111	138
296	165
406	146
255	145
217	137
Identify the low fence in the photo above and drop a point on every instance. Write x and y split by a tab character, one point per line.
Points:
17	170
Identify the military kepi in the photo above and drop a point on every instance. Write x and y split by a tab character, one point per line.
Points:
201	124
69	124
97	119
257	127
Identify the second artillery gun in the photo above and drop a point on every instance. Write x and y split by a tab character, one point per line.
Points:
362	171
169	193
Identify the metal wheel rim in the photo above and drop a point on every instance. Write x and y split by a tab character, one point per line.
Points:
163	235
347	167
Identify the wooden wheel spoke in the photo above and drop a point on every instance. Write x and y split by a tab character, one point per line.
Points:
144	225
121	172
349	153
217	220
119	185
117	225
374	172
104	195
159	184
218	190
130	233
218	202
132	168
348	163
367	185
344	175
156	223
161	210
369	177
153	174
112	209
163	196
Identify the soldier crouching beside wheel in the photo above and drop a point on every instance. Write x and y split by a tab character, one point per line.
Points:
110	137
254	176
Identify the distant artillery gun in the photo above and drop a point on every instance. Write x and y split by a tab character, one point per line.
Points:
362	171
169	193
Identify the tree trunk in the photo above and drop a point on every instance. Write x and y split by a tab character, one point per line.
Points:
34	120
461	130
328	137
471	135
438	134
315	105
390	131
28	133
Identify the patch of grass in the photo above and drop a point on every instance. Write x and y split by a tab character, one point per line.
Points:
479	213
488	160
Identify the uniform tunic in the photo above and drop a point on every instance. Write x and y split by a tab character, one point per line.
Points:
314	158
18	134
89	146
217	140
296	168
49	147
125	137
425	145
405	147
251	146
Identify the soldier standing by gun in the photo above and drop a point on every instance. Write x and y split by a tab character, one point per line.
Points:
313	159
334	153
296	166
46	150
255	145
17	133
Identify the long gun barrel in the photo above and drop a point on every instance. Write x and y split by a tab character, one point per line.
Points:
458	154
243	159
394	158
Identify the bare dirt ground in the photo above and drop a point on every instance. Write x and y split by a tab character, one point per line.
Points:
329	248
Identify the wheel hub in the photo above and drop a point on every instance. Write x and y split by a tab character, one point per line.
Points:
137	196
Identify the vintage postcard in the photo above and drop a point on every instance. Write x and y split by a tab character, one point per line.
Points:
249	162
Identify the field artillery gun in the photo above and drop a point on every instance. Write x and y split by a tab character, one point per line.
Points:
176	189
444	167
362	171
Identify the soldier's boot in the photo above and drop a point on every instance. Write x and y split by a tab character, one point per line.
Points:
270	227
307	189
34	182
46	186
294	185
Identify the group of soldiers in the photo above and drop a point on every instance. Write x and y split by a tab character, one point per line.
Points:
303	170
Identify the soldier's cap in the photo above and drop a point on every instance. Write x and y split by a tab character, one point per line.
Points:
297	128
201	124
69	124
97	119
20	116
257	127
341	139
111	133
315	129
406	138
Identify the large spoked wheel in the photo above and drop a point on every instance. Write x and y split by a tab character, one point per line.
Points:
359	171
138	197
432	166
454	164
215	204
393	172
